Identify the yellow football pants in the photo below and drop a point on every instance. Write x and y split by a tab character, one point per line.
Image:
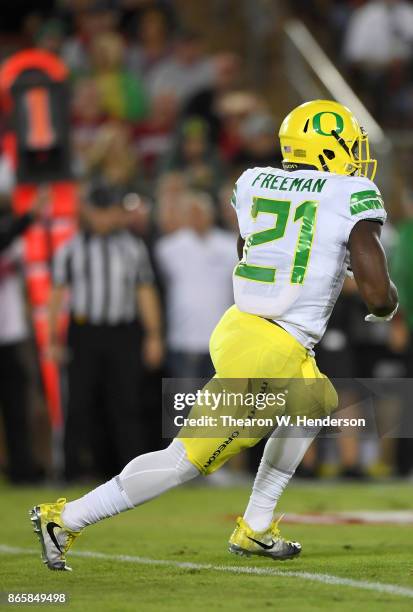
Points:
261	355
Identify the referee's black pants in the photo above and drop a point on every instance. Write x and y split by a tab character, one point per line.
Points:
103	425
15	408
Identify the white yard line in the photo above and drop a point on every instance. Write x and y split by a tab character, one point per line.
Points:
378	587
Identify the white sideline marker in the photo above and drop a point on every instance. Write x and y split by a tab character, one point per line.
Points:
378	587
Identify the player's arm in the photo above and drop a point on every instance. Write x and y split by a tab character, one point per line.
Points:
369	265
150	312
55	349
61	284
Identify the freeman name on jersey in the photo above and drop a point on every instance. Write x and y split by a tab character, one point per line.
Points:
283	183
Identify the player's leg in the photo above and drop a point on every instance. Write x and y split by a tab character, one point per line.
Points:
145	477
150	475
282	454
257	532
142	479
247	346
312	396
253	347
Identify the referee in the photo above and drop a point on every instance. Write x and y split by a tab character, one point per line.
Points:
114	330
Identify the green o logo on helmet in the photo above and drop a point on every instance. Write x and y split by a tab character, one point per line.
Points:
317	123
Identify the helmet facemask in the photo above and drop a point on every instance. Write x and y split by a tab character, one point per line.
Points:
360	163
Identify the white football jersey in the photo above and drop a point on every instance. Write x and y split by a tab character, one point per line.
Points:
296	226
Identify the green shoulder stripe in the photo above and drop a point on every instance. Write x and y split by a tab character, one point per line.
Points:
365	200
234	197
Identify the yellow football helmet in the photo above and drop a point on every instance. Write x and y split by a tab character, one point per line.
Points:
326	135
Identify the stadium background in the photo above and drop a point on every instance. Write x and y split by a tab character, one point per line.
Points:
240	66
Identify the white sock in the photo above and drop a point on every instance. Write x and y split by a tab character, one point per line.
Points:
144	478
281	456
107	500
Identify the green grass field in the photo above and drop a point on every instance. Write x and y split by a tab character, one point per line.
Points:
192	525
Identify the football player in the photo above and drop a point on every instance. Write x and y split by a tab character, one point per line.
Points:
301	228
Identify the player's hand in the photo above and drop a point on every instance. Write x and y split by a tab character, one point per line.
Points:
371	318
153	351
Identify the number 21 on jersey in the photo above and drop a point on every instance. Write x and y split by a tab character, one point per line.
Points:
305	213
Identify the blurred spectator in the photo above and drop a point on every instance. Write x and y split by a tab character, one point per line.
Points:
50	36
391	22
153	44
337	19
402	331
14	333
186	72
206	103
227	214
171	187
13	375
154	136
87	118
196	264
380	67
260	146
337	359
7	179
195	157
122	93
90	19
261	18
402	268
112	160
234	108
112	301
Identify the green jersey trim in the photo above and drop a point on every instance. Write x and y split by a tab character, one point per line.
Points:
361	201
260	274
234	197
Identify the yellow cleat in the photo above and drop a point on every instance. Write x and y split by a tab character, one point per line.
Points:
55	539
269	543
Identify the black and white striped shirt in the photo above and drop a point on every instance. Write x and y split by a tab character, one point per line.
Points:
102	273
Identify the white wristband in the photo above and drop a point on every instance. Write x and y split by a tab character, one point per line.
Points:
371	318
